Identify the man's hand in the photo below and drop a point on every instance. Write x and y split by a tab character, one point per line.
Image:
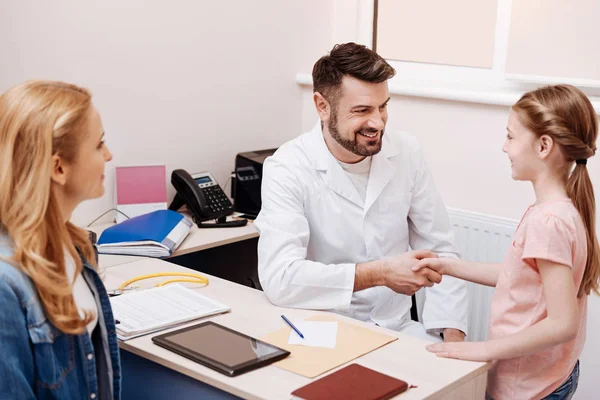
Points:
399	276
453	335
472	351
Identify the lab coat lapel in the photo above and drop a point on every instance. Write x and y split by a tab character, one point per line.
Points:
382	172
338	181
334	176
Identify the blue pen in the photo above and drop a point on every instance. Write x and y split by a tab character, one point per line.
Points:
292	326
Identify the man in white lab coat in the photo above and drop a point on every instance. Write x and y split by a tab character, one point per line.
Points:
342	204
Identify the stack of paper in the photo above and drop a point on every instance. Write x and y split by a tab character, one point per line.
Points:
156	234
151	310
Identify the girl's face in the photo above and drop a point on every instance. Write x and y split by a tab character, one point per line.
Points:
522	148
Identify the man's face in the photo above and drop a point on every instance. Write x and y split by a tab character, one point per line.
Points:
357	119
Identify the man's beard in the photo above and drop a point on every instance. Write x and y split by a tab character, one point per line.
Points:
352	145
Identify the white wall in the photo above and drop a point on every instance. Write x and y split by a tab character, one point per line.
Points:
188	83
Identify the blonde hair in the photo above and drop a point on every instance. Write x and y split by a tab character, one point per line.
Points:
565	114
39	119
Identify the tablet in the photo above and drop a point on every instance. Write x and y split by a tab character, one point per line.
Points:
222	349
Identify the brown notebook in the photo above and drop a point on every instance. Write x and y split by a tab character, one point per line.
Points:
353	382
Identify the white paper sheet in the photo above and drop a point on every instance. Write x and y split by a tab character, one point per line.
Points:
153	309
316	334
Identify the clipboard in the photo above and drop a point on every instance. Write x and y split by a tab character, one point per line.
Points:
352	342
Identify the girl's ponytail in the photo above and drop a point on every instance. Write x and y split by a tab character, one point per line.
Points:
581	192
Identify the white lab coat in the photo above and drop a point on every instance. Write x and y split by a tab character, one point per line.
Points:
314	229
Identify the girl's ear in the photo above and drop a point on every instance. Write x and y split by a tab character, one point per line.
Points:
546	144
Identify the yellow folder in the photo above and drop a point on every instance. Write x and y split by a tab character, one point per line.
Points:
352	341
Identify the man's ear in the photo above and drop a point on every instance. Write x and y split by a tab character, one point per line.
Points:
546	144
323	106
59	172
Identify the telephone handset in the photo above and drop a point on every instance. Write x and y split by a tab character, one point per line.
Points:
204	198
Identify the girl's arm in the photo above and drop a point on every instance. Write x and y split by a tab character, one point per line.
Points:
483	273
560	325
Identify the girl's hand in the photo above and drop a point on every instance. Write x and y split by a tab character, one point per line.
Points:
471	351
439	265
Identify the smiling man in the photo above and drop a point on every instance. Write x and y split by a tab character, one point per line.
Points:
343	204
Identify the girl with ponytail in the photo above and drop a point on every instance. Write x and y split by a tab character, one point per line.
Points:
57	333
538	316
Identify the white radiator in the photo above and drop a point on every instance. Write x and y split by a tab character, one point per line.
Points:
478	237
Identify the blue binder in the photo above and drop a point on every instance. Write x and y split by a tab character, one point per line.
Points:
156	234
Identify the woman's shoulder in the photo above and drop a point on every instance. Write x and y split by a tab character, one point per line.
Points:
6	252
14	283
12	278
17	289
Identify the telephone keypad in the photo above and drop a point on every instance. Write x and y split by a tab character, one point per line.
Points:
217	200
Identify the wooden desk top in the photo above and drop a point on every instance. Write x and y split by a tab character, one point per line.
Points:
254	315
197	240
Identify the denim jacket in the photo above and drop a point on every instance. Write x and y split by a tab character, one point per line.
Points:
37	361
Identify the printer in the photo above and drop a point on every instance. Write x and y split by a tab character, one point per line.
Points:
247	181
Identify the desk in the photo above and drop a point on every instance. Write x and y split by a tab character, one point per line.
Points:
252	314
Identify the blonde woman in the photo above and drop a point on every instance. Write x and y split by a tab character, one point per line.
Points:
57	334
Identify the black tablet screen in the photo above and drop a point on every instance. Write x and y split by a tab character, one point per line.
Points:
221	345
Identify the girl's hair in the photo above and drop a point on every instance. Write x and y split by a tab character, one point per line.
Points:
39	119
565	114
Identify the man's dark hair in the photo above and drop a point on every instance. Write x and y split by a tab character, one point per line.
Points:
351	59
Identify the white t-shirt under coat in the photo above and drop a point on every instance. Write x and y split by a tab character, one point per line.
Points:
359	175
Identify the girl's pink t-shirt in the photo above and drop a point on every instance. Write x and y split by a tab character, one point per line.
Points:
552	231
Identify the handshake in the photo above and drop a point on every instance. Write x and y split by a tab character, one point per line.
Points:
407	273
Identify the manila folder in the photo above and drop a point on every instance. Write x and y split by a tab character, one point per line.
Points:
353	340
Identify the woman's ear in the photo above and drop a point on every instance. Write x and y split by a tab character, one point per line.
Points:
323	107
58	173
546	144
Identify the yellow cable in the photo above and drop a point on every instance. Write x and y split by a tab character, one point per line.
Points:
198	278
199	281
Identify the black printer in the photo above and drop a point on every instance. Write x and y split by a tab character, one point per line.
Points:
247	181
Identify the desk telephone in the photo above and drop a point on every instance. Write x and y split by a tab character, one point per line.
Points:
204	198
